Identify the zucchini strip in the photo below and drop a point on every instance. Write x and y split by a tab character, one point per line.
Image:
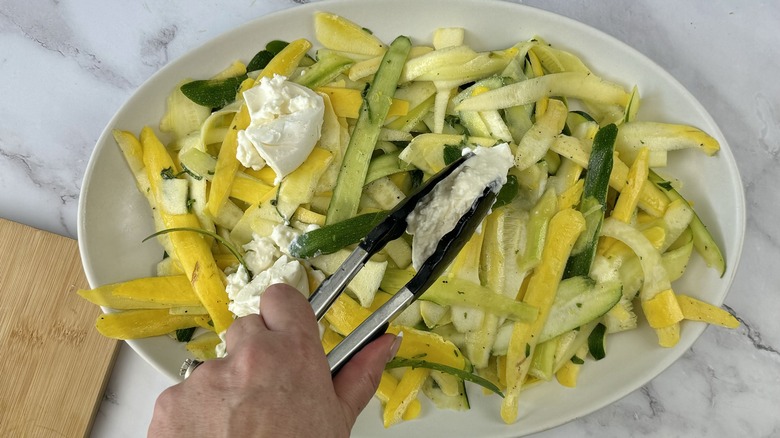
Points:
594	200
702	239
464	293
577	85
658	300
349	186
537	141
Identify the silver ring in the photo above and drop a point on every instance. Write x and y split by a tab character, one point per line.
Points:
188	367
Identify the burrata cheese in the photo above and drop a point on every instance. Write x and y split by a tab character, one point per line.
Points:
286	119
439	211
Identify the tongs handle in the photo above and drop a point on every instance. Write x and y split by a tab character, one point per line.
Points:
449	246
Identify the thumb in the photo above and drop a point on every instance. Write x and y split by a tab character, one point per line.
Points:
358	379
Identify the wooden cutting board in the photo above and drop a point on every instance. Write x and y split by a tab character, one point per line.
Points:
53	364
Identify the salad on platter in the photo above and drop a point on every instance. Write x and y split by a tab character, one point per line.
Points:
273	168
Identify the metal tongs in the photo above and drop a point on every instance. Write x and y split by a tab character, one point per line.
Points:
390	229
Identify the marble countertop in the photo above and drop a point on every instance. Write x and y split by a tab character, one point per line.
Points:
66	67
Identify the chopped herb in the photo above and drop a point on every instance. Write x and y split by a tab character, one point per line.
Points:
275	202
189	172
276	46
576	360
527	350
666	185
400	362
167	173
190	202
596	342
508	192
451	119
585	115
184	335
451	153
213	93
260	60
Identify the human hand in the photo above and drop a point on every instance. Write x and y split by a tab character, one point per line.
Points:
275	380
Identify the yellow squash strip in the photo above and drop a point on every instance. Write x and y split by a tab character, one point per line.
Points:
203	347
651	199
576	85
537	141
284	63
629	196
668	336
696	310
346	102
662	310
144	293
309	217
388	383
337	33
249	190
536	67
658	300
662	137
567	375
387	386
330	339
571	196
501	372
266	174
133	153
225	260
345	314
298	187
188	310
190	248
563	231
132	150
144	323
227	164
405	393
492	262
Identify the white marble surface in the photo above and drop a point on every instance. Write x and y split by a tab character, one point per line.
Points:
66	67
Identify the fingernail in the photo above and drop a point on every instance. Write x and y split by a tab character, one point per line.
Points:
395	345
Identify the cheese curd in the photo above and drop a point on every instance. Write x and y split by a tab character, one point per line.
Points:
270	263
265	258
439	211
286	119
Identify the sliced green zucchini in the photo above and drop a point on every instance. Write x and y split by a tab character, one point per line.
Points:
702	239
578	301
594	201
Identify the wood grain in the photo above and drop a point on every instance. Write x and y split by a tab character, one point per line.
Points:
53	364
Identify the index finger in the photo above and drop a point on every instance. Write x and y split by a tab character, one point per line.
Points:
284	308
